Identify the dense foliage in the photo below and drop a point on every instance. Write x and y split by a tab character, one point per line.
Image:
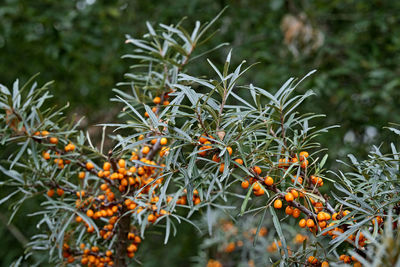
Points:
353	44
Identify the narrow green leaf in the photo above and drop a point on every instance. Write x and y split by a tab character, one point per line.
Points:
246	199
279	231
259	227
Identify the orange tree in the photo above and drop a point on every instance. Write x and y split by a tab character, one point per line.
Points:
186	144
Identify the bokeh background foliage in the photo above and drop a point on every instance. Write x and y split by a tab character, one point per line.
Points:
354	45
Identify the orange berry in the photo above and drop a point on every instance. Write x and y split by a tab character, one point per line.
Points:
201	152
259	192
140	171
229	149
278	204
289	210
163	141
324	264
203	139
289	197
103	213
132	169
269	181
283	162
122	171
256	186
157	100
321	216
50	192
132	248
294	193
80	193
230	247
69	147
312	260
89	213
89	166
70	259
106	166
296	213
131	236
310	223
163	151
245	184
114	176
53	140
151	218
46	155
302	223
145	150
319	206
60	192
303	155
127	202
299	180
215	158
81	175
239	161
304	164
327	216
121	163
257	170
221	167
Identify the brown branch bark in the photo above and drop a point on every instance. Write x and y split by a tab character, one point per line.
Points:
122	238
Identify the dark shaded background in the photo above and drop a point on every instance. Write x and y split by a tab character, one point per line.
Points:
355	45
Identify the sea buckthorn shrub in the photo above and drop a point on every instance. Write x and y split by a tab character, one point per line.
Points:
185	144
361	229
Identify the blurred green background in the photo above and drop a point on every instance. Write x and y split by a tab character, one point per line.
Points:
354	45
